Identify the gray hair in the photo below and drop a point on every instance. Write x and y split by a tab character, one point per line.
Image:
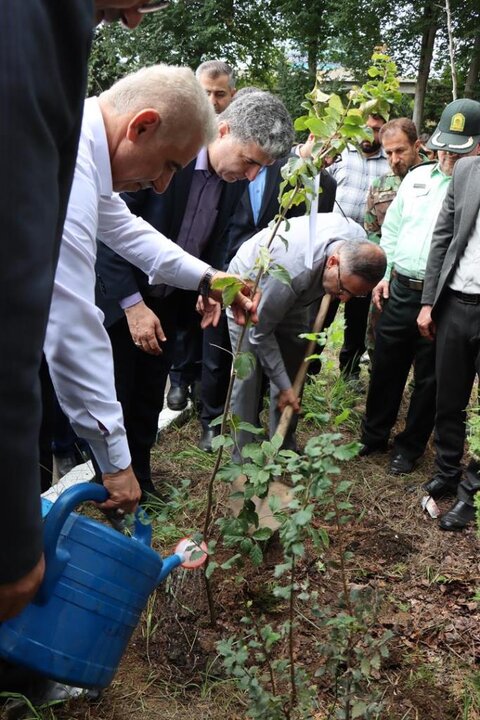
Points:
262	118
215	68
247	90
364	259
171	90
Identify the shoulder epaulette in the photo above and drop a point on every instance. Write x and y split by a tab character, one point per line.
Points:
422	164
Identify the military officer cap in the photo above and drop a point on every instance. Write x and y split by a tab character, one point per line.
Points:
459	128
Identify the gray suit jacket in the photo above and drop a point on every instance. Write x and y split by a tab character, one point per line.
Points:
453	229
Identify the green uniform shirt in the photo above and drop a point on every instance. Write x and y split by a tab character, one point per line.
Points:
410	220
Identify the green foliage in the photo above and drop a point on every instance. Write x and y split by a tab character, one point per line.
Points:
244	364
336	123
278	687
229	287
352	650
187	33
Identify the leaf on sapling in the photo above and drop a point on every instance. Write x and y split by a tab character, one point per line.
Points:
262	534
230	562
256	554
263	258
244	364
280	273
359	709
224	441
224	282
229	293
248	427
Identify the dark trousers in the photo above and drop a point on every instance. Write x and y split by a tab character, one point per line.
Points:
457	363
216	366
187	353
356	315
140	381
398	345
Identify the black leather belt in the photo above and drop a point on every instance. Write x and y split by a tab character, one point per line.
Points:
466	297
411	283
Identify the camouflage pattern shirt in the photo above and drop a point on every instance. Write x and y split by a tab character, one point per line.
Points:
380	195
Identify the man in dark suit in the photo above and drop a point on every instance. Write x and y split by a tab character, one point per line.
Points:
43	72
43	59
218	80
451	313
194	212
258	206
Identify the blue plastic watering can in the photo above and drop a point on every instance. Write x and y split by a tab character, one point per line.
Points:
97	582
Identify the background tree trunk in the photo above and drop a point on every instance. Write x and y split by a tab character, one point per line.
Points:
430	27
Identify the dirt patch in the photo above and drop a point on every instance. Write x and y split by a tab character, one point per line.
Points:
423	580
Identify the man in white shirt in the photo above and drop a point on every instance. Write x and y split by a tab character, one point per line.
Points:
134	136
344	264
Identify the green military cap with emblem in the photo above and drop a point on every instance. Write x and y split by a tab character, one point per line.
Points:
459	128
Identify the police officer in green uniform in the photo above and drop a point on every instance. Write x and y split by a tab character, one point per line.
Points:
401	145
406	237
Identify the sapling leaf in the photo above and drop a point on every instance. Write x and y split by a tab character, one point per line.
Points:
262	533
212	565
248	427
256	554
244	364
263	258
280	273
229	293
221	441
230	562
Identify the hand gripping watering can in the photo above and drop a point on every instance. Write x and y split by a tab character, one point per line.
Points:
97	582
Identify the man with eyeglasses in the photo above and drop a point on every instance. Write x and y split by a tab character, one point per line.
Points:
345	265
43	75
406	238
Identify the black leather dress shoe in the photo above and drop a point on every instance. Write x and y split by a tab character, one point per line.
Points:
177	397
401	465
370	449
437	488
205	442
458	517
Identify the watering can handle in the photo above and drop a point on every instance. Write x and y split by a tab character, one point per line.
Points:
56	557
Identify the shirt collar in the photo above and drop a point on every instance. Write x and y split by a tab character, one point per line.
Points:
93	121
202	160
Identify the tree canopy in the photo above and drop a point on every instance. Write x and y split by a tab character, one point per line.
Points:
280	44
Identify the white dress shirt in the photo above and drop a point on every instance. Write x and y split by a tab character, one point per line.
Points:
280	300
77	346
466	278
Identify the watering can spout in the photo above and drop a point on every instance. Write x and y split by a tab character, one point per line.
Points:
169	563
189	553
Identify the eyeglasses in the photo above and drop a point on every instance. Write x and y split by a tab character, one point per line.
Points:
343	290
149	7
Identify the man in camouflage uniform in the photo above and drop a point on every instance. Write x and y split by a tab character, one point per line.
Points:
401	145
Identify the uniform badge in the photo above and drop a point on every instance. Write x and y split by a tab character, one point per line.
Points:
458	123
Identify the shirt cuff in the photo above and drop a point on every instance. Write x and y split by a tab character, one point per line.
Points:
130	300
111	452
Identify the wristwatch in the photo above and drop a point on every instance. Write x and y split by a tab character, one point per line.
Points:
205	282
